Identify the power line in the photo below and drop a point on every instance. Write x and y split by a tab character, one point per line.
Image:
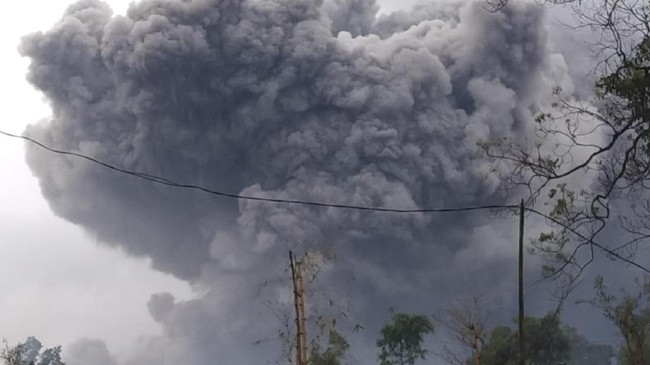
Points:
589	240
167	182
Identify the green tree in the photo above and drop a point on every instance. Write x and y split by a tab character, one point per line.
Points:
624	356
402	339
630	313
584	352
603	140
545	343
337	348
501	347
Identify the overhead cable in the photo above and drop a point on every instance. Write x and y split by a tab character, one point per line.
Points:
167	182
164	181
589	240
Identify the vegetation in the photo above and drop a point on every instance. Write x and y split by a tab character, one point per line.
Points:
546	343
401	340
465	325
584	352
604	140
333	354
630	313
29	353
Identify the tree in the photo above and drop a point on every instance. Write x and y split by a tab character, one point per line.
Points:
324	309
546	343
401	340
584	352
10	355
498	5
604	141
465	324
631	315
501	347
337	348
29	353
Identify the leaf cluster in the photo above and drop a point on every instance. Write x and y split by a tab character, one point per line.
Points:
401	340
29	353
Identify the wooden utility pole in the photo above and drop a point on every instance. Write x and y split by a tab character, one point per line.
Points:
299	303
521	283
301	318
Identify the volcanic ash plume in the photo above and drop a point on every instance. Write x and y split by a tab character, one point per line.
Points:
296	99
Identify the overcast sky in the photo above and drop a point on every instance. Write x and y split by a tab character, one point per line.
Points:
57	284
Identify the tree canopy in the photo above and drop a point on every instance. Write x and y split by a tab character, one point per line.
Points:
401	340
337	348
590	156
29	353
584	352
546	343
630	313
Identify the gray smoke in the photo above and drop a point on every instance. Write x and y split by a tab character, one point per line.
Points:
298	99
88	351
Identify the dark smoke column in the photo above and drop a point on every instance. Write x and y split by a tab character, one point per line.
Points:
295	99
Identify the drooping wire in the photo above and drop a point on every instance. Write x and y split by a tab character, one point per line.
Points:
589	240
167	182
164	181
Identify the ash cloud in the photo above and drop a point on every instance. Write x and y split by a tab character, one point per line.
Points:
89	351
314	100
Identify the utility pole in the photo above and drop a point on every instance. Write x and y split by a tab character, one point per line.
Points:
521	283
299	303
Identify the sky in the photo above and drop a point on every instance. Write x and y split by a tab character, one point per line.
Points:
157	274
56	282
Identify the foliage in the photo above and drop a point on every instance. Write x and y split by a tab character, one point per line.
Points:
29	353
498	5
501	347
401	340
337	348
10	355
321	319
584	352
545	343
604	141
465	324
631	315
51	356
